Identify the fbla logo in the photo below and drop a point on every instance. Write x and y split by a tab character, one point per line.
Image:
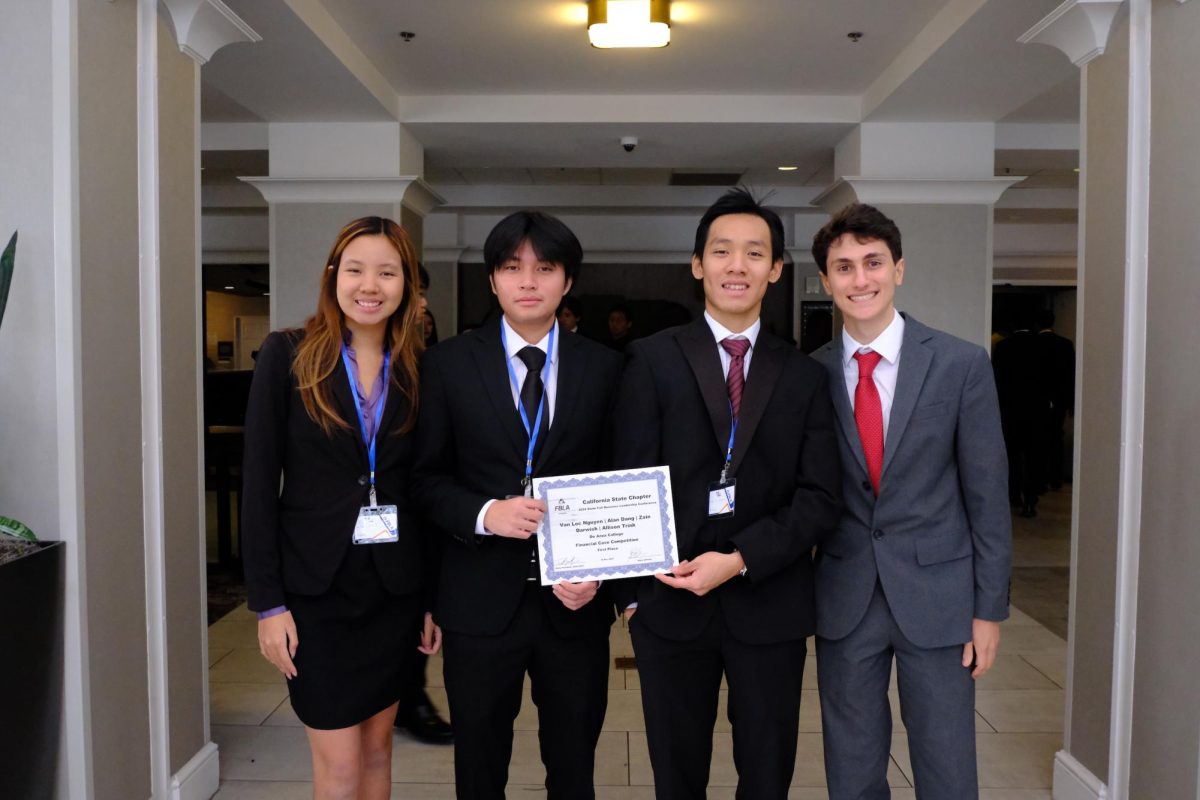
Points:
562	507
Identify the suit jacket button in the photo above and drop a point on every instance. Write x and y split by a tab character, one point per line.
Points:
878	535
866	486
363	480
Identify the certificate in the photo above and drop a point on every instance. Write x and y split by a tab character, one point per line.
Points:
606	525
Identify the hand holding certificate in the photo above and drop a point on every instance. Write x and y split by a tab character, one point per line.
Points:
606	525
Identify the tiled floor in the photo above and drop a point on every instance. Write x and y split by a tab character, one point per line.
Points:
264	754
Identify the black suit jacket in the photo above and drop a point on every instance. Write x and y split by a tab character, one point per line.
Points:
294	538
471	448
673	409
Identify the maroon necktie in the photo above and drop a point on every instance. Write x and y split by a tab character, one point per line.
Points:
735	380
868	413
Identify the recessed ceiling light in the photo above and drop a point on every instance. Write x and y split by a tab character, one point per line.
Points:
407	36
1076	169
854	36
230	288
787	169
629	23
266	294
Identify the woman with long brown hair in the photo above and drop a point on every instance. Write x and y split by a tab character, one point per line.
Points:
335	563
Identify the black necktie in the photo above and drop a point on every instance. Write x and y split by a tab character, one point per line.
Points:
531	391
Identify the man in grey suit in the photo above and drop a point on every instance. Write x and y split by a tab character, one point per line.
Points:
918	568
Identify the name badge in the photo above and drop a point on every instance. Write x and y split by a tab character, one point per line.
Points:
376	525
721	497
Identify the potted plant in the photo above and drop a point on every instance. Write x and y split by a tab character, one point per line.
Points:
31	636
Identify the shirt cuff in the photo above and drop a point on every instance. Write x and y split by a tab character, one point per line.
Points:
631	606
479	529
272	612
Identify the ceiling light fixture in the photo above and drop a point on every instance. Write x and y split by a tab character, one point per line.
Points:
787	169
629	23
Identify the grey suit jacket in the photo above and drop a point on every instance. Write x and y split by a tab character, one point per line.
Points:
939	536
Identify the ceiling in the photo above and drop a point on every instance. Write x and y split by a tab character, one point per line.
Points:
511	93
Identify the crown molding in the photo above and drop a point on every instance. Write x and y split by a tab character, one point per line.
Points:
1079	28
410	191
913	191
202	27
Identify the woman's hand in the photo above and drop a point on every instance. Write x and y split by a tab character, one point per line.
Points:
431	636
277	642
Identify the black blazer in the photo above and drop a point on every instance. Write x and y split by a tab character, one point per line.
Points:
471	448
294	538
673	409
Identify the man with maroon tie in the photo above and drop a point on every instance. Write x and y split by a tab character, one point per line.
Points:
746	425
918	568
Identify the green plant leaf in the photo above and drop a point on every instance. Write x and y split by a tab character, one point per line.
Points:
7	262
12	527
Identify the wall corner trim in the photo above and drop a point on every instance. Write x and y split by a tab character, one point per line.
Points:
1073	781
1079	28
202	27
200	777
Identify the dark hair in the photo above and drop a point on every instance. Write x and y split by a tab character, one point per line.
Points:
740	201
424	274
864	223
550	238
621	308
1045	318
572	304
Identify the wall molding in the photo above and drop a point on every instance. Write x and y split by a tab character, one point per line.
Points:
200	777
1074	781
913	191
202	27
1079	28
409	190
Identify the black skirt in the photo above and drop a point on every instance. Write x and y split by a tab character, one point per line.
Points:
354	641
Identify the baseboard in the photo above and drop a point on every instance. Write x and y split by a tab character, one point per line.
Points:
1073	781
200	778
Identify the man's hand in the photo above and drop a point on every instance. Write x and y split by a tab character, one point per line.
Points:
985	641
277	642
704	573
629	612
516	517
576	595
431	636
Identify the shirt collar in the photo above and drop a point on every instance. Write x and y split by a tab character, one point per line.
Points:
720	332
887	343
515	343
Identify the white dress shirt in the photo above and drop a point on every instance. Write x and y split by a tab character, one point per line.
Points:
887	344
720	332
516	344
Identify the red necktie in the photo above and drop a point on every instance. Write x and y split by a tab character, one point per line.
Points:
735	379
868	413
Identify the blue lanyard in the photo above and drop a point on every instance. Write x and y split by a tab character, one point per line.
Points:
531	431
358	401
729	448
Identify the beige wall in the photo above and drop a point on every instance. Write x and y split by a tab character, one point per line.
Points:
220	310
1098	407
111	432
1166	703
186	615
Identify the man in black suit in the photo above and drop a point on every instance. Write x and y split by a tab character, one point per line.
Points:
746	425
516	399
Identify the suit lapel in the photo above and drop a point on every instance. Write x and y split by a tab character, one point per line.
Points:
832	358
490	359
700	350
571	369
766	363
915	359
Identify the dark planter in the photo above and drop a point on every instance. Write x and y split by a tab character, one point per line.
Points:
31	636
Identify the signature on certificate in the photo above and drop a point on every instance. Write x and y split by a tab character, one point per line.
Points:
566	562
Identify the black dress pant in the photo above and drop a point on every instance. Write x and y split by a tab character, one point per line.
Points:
681	682
569	680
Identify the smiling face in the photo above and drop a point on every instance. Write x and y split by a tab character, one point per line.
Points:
370	282
862	279
735	269
529	291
